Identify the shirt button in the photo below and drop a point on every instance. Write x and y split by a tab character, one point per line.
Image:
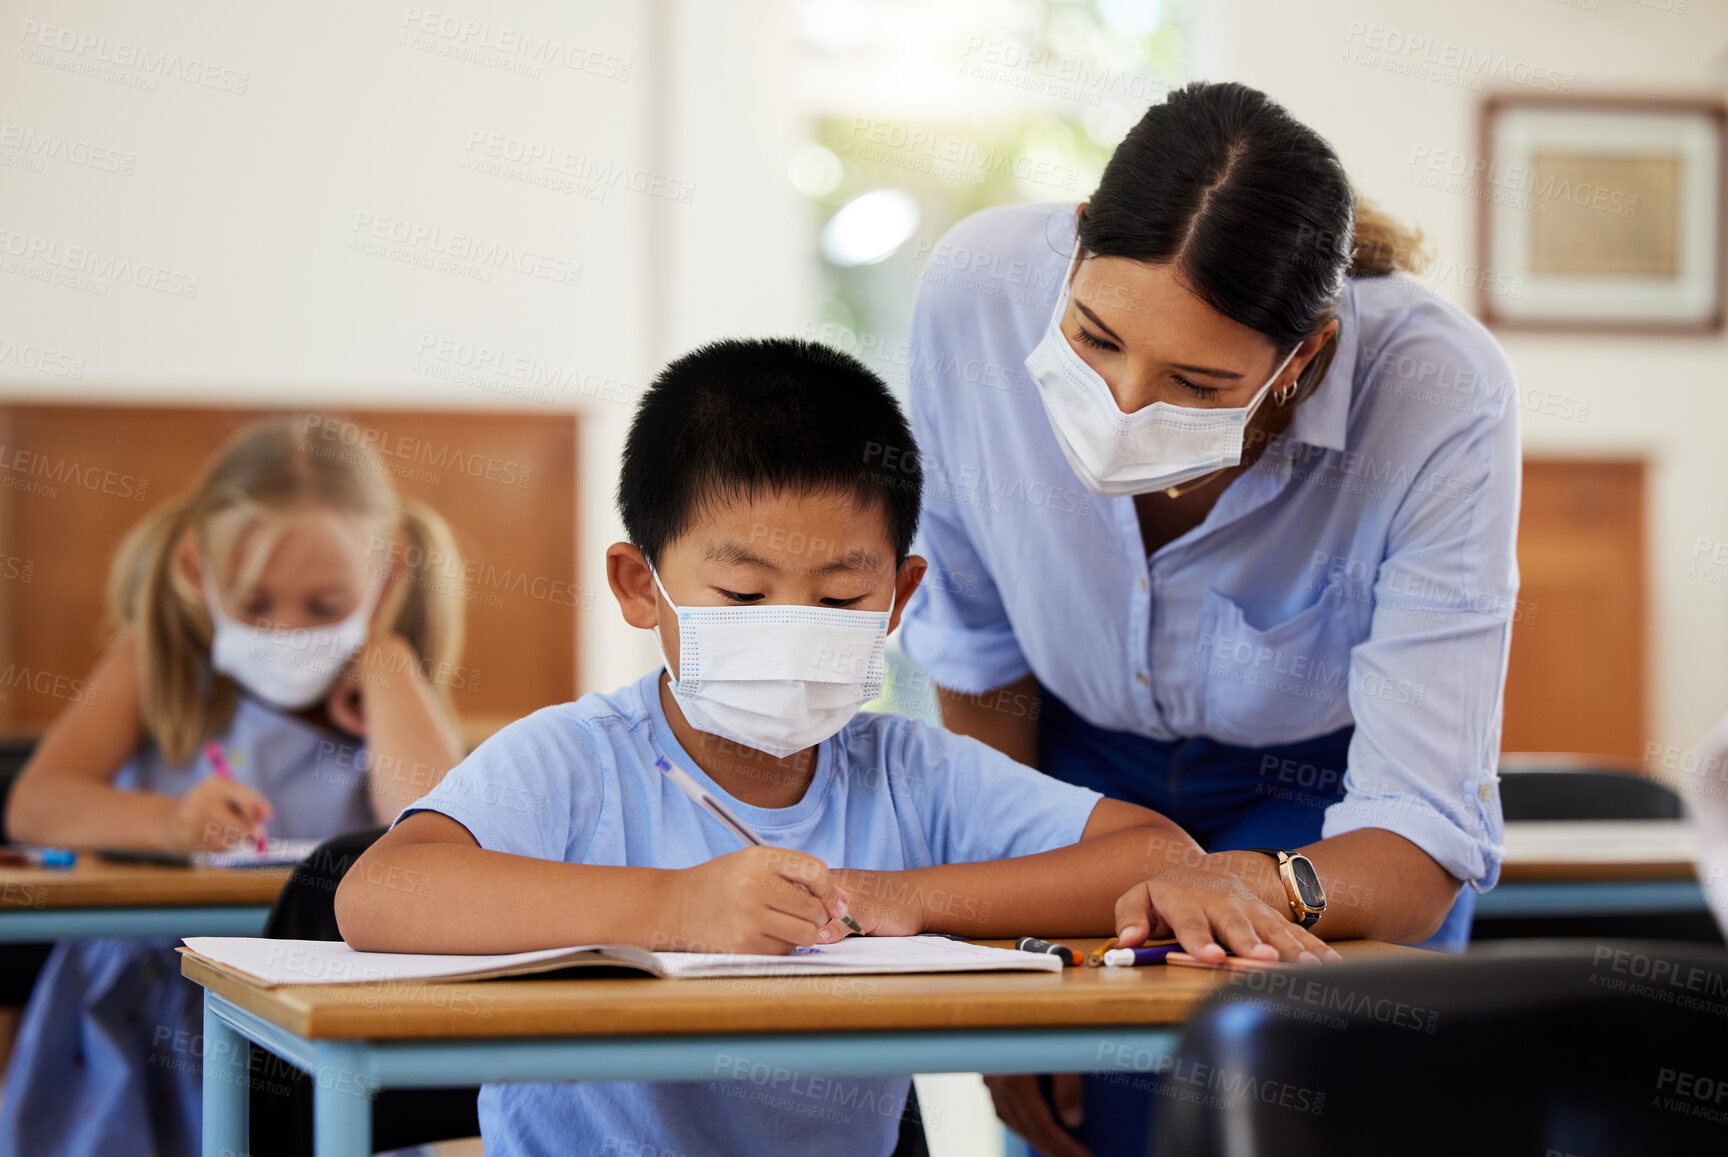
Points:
1140	678
1485	792
1142	582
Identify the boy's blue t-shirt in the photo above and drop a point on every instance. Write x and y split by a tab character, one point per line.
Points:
577	783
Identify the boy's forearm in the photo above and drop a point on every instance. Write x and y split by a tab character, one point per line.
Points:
1069	891
438	897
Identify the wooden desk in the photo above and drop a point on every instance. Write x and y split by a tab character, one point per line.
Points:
1596	867
354	1039
96	898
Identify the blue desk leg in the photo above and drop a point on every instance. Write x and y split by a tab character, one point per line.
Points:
227	1072
341	1102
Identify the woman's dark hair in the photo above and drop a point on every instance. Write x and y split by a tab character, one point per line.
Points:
1251	204
736	419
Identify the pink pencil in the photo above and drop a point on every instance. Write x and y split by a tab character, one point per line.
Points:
213	752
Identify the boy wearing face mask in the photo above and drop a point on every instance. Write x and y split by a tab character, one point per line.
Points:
771	492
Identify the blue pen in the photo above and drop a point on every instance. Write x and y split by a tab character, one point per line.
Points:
718	810
1131	957
40	857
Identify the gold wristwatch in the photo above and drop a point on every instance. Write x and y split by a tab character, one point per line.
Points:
1301	885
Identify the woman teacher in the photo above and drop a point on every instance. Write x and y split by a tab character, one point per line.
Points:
1220	518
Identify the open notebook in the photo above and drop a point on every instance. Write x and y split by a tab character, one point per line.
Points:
275	853
278	962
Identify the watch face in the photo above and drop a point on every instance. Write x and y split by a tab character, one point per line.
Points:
1307	883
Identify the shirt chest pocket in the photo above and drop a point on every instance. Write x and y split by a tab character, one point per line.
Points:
1284	682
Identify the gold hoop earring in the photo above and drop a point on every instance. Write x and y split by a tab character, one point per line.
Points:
1283	396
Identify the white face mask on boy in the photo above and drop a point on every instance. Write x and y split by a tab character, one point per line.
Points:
290	669
775	678
1114	453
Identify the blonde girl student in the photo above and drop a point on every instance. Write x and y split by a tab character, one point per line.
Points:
261	620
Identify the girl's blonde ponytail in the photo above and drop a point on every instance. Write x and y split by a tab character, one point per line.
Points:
432	593
181	702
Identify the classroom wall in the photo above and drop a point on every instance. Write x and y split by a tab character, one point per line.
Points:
1662	398
254	173
235	189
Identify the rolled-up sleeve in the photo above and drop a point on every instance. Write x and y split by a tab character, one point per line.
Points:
1426	685
955	626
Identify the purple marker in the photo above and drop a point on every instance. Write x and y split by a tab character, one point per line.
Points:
1130	957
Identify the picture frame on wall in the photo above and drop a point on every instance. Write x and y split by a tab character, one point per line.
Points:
1601	214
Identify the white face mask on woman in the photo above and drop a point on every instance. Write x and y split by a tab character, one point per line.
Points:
1113	453
775	678
290	669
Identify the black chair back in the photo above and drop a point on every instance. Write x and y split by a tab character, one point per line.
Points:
1567	1047
281	1123
14	754
1573	787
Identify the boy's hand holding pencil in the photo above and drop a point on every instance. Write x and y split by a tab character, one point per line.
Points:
880	907
761	900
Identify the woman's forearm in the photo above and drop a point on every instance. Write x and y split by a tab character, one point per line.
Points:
1006	718
1378	885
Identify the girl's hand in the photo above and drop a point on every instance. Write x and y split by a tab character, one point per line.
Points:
762	899
384	654
216	815
1209	908
384	664
346	702
879	905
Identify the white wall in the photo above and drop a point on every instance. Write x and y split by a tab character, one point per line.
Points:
1664	399
257	195
324	119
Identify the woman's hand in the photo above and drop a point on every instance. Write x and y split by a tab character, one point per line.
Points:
880	905
1206	904
217	814
1021	1106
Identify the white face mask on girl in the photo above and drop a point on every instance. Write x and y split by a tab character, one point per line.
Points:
1114	453
775	678
290	669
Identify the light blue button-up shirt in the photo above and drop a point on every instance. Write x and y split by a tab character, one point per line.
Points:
1364	572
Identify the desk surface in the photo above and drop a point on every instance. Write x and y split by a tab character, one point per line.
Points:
96	883
1540	850
640	1006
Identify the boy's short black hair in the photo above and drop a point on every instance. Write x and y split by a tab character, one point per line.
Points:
735	419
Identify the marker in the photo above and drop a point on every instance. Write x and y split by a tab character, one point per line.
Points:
1132	957
1067	955
1096	958
718	810
39	857
213	752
